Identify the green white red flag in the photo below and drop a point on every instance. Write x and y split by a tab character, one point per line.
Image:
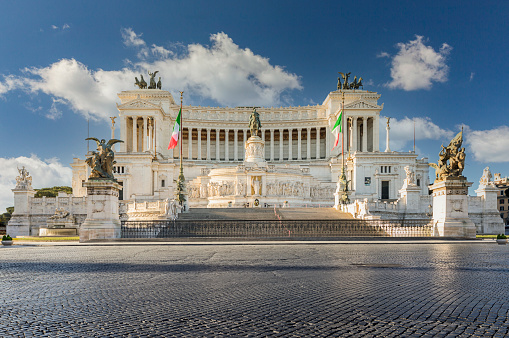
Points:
176	132
337	128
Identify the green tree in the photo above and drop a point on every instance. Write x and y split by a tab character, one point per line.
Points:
6	216
52	192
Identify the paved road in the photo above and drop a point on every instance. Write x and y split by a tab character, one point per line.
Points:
357	290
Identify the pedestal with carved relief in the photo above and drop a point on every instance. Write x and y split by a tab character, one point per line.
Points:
450	208
102	220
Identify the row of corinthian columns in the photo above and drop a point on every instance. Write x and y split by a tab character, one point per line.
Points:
235	155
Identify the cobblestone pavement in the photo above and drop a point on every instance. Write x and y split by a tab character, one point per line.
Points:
349	290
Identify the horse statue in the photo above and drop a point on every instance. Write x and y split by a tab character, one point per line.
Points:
141	84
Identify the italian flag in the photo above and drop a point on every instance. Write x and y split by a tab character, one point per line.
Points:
176	131
337	128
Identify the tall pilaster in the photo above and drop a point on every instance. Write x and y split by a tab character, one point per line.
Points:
235	144
364	134
355	133
318	142
226	145
218	141
208	144
199	145
308	144
299	144
135	134
290	148
144	137
190	143
281	157
150	143
272	144
387	147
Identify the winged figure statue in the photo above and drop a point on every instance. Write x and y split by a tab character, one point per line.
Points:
102	160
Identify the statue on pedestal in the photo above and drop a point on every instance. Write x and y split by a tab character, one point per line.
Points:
102	160
451	160
254	123
24	180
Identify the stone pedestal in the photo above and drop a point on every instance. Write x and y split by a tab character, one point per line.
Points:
411	196
255	150
19	224
450	208
490	221
102	220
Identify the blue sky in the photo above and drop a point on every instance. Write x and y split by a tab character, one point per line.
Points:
441	64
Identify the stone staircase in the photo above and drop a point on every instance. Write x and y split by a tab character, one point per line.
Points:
228	214
263	214
298	214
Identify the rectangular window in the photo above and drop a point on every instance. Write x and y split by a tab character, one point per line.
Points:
162	183
418	182
389	169
502	208
502	201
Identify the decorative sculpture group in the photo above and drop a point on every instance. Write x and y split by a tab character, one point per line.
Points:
24	180
451	160
356	84
102	160
153	85
254	123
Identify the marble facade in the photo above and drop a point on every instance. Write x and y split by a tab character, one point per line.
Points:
298	165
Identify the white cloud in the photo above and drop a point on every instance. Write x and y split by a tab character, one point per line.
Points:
472	76
417	66
402	132
383	55
66	26
54	113
489	145
54	27
45	173
160	51
223	72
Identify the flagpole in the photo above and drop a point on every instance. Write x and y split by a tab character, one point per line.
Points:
181	179
342	132
182	135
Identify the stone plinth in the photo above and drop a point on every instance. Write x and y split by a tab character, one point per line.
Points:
490	222
450	208
411	195
19	224
255	150
102	220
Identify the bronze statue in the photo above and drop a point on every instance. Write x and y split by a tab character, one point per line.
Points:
141	84
451	160
254	123
356	84
159	83
345	79
153	84
101	160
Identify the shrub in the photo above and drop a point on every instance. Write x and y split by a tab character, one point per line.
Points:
6	238
501	236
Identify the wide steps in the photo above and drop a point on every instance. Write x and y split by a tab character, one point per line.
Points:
300	214
263	214
228	214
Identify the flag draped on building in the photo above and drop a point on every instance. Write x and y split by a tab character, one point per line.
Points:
176	132
338	128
